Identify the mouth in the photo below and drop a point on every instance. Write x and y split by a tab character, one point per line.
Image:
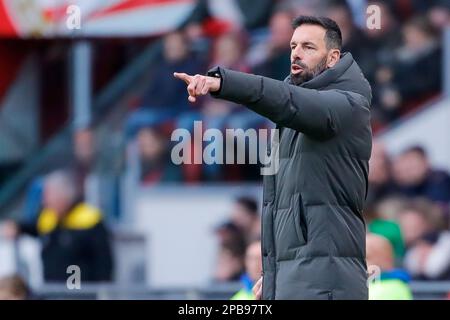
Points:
296	69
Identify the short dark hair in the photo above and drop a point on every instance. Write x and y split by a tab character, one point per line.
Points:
416	149
333	35
249	204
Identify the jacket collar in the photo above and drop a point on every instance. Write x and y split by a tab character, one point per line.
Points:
330	75
345	75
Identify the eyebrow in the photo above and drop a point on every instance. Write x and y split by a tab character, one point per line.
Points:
304	43
309	43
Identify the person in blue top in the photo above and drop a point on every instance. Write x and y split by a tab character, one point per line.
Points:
253	268
392	283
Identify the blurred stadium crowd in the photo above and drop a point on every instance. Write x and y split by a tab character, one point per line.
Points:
408	200
402	61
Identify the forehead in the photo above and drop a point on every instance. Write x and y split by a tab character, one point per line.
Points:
308	32
411	155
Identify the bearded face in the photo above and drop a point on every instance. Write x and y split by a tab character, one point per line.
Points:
301	73
310	54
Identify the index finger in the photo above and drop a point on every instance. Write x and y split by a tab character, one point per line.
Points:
183	76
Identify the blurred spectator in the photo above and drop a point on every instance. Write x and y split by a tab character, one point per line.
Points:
420	218
84	148
165	98
414	226
253	271
228	233
418	72
82	160
230	262
387	99
13	288
233	237
393	283
272	58
428	243
245	216
353	39
165	105
390	207
227	51
163	91
232	244
85	165
429	258
389	229
156	165
302	7
220	32
195	35
384	39
415	178
439	14
383	42
380	182
244	224
72	232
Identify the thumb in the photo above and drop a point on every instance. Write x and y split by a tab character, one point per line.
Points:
183	76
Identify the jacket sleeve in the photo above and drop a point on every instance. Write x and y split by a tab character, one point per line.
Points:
319	114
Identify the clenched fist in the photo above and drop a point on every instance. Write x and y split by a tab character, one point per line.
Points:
198	85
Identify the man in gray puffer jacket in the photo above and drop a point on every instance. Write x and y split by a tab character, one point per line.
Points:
313	232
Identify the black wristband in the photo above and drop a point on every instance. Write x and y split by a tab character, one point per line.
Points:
215	73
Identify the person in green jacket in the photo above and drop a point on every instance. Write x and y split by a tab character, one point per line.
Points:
385	282
253	267
390	230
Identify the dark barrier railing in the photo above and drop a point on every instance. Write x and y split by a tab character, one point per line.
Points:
421	290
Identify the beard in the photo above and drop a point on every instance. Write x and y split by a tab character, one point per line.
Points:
308	73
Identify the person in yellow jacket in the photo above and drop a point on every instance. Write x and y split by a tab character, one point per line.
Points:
389	283
72	233
253	268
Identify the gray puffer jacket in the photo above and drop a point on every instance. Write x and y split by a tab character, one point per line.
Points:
313	232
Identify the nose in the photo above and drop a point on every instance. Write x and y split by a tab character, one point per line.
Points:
297	54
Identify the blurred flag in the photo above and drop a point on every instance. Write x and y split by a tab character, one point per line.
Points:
108	18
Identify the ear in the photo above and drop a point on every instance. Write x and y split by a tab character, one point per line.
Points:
333	57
